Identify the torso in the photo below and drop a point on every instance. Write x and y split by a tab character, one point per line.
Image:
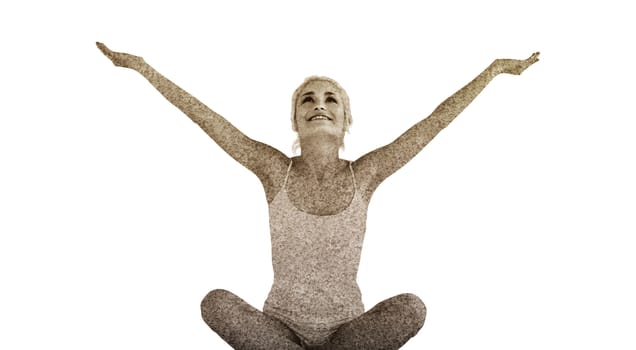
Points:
317	230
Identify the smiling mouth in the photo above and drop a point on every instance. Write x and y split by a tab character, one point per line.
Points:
319	117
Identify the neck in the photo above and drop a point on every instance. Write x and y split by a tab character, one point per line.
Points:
319	156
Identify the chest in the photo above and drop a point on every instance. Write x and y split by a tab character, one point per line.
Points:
327	196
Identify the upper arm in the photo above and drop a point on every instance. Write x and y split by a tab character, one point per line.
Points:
375	166
265	161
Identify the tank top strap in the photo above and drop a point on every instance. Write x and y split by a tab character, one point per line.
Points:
353	177
287	174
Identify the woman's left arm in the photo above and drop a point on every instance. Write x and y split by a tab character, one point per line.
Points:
379	164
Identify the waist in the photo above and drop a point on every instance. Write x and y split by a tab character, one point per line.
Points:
316	302
318	257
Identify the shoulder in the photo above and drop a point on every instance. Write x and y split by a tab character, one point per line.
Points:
272	173
365	173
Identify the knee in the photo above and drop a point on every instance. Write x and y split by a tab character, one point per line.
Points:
214	304
414	308
217	299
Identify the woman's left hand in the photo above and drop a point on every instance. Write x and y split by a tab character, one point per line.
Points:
511	66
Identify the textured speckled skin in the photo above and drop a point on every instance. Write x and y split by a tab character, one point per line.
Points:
315	302
387	326
318	220
315	260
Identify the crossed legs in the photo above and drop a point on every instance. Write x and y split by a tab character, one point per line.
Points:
244	327
388	325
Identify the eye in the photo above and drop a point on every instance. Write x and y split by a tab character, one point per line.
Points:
307	99
331	100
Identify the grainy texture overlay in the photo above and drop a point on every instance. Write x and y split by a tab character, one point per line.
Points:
318	206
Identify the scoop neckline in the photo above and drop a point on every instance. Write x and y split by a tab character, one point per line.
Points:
353	183
355	193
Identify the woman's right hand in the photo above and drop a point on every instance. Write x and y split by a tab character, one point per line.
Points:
122	59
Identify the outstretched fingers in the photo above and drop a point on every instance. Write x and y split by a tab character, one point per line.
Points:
109	53
522	65
105	50
533	58
120	59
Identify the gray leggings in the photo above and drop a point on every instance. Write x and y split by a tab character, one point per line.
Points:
387	326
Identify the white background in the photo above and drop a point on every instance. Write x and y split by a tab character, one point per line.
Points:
117	214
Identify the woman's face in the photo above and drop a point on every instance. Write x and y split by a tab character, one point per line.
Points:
320	110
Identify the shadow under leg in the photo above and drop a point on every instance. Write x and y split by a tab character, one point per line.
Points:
387	326
244	327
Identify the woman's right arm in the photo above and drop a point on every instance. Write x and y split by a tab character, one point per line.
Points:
266	162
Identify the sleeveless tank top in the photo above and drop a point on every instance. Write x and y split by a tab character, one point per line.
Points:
315	260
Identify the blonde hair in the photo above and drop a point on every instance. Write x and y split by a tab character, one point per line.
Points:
343	95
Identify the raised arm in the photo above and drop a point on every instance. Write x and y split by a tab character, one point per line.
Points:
379	164
265	161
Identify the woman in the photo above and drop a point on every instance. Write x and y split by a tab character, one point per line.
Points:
317	205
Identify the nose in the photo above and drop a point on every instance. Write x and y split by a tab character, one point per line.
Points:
320	107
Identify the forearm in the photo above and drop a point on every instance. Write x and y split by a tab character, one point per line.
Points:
217	127
258	157
189	105
383	161
455	104
420	134
265	161
393	156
